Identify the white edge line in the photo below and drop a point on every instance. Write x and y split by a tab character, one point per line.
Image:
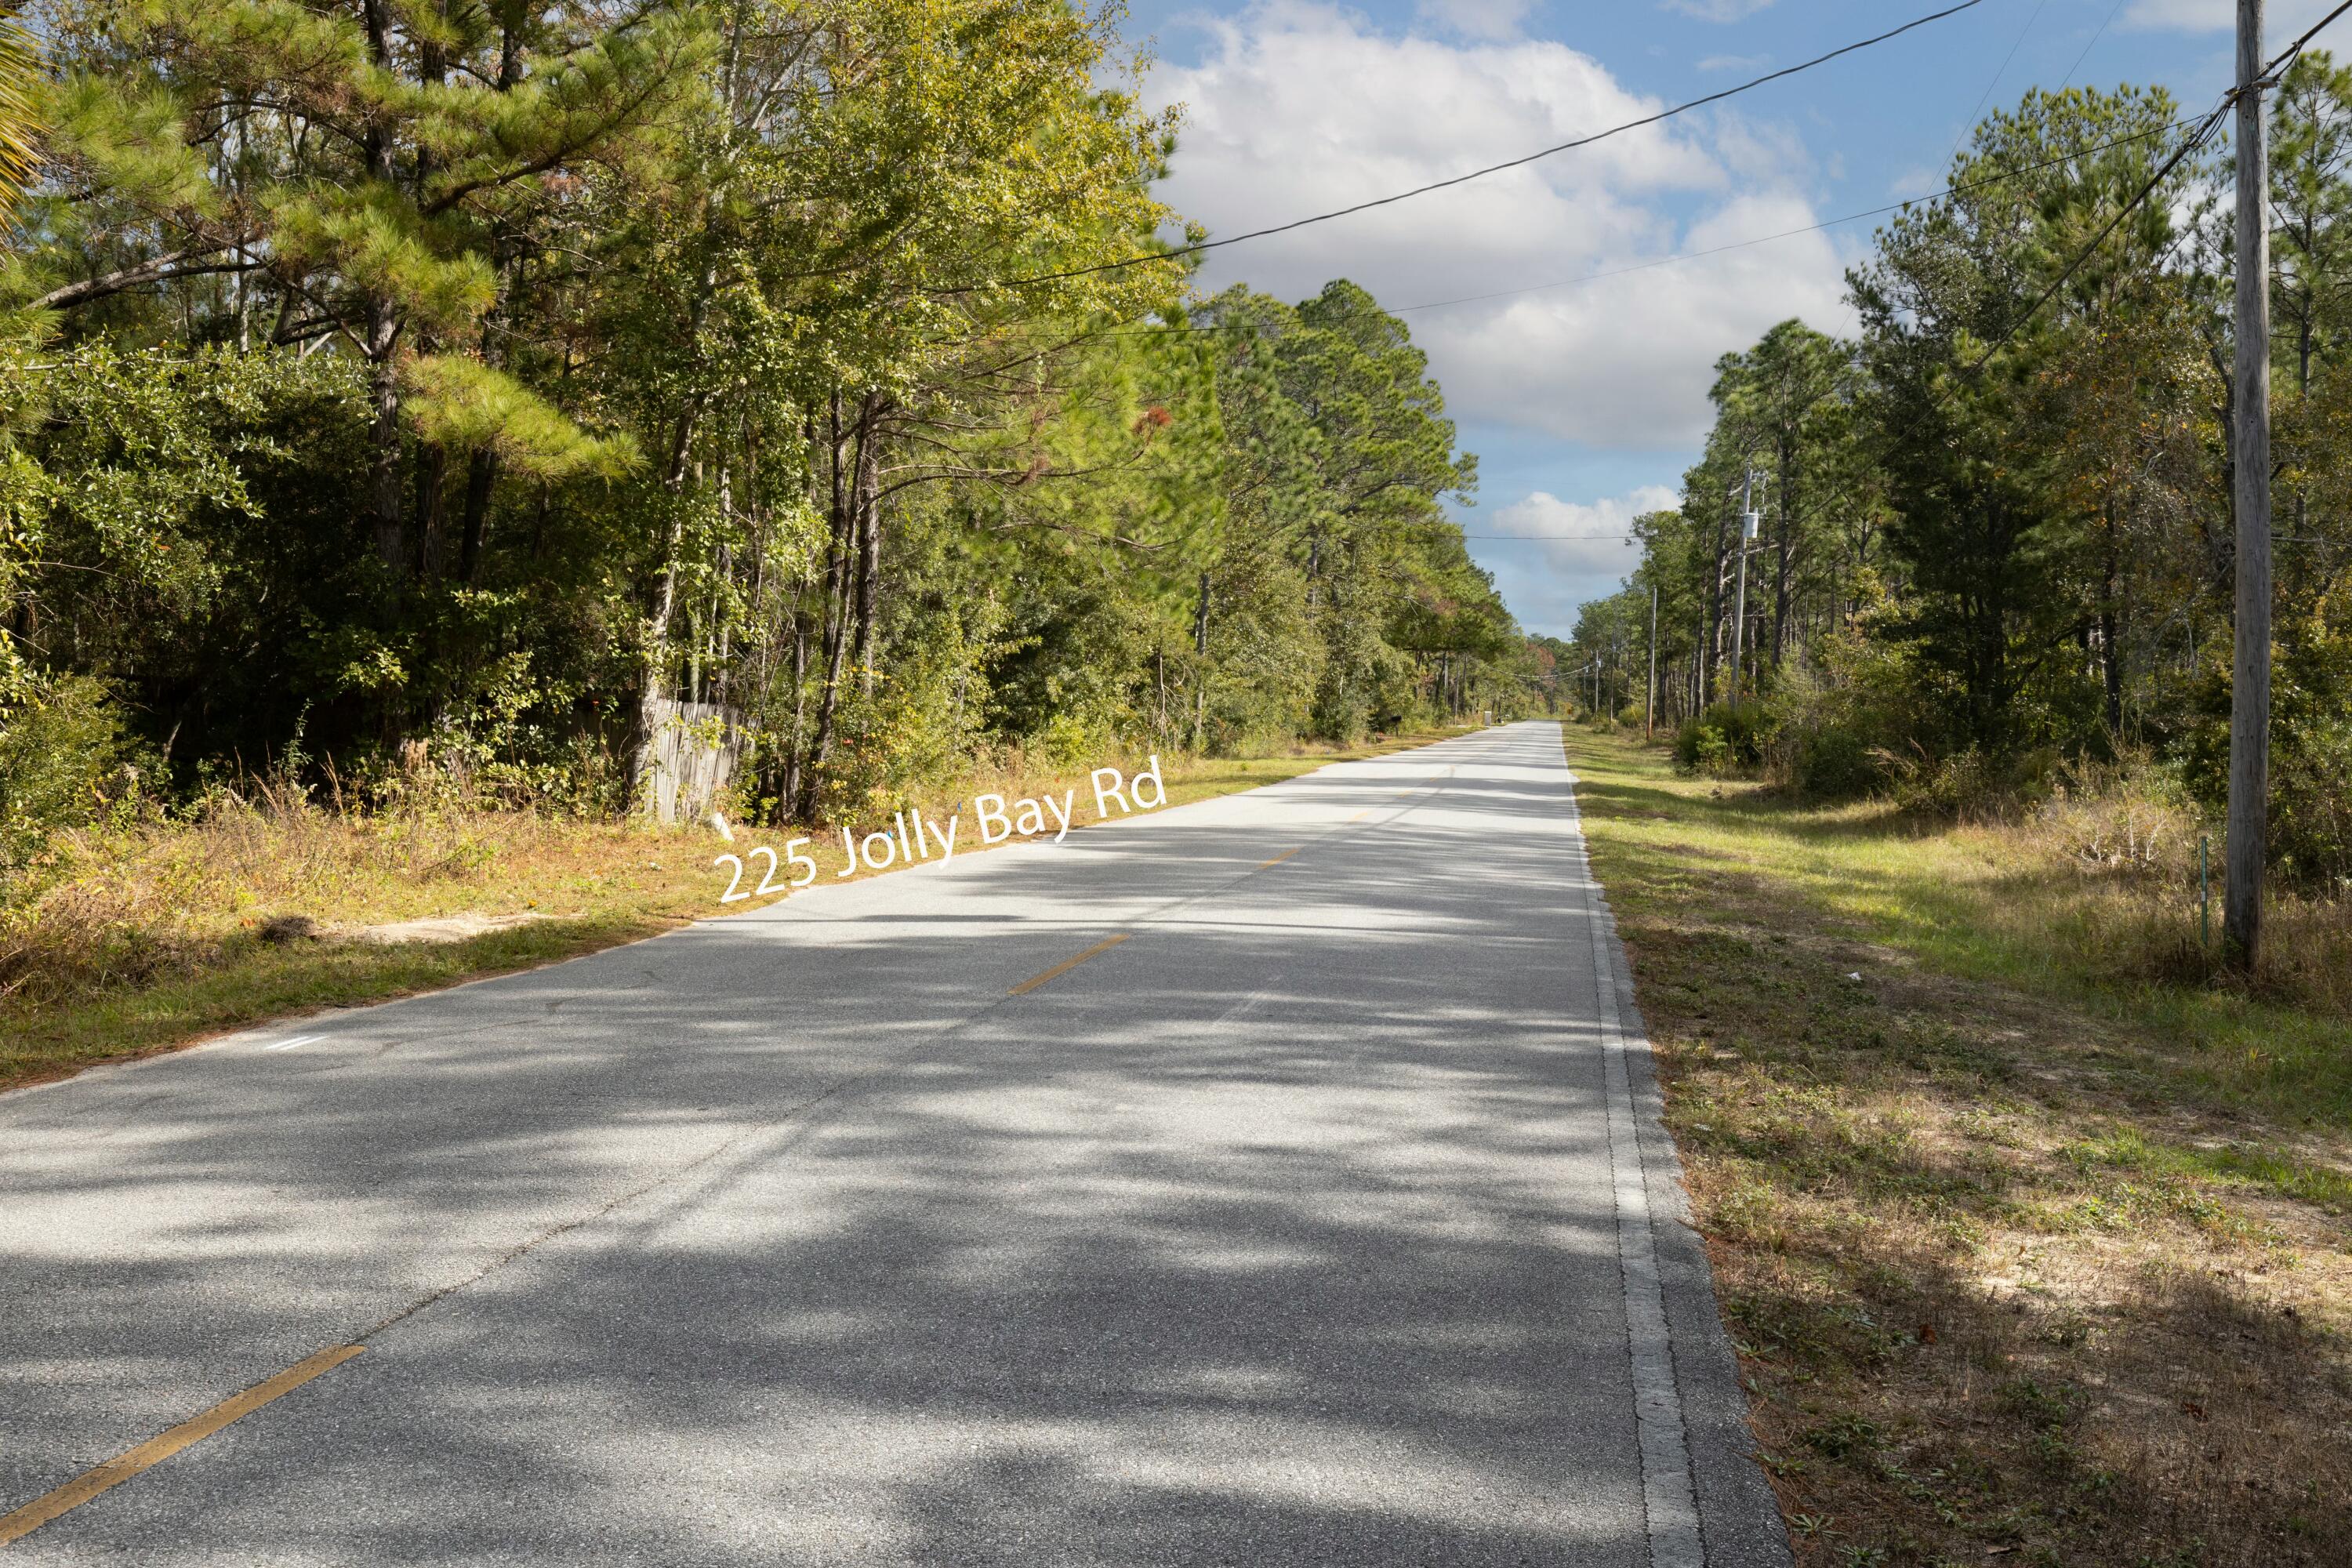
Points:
1669	1492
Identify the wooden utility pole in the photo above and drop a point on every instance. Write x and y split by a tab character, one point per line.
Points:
2250	691
1748	521
1649	724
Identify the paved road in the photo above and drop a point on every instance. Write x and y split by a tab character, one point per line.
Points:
1325	1220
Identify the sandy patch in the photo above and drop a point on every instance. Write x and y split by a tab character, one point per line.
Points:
441	928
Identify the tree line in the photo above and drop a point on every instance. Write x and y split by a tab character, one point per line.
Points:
495	387
1993	531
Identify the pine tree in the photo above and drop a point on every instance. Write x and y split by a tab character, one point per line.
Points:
366	172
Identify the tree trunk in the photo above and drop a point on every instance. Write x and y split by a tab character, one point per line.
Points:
1201	676
481	476
2111	658
869	534
384	336
383	466
848	500
649	696
431	509
1711	644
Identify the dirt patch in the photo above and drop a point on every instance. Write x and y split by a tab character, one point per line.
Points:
441	928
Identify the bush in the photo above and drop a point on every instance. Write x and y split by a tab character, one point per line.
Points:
64	763
1848	732
2311	748
1839	763
1974	784
2129	817
1725	740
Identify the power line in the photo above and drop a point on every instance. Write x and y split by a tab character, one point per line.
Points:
1956	189
1905	204
2309	33
1901	206
1647	119
2164	171
2196	139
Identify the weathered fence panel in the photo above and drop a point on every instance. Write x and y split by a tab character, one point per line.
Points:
693	750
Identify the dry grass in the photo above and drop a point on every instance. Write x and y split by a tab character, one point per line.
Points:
2029	1261
157	934
135	907
2115	875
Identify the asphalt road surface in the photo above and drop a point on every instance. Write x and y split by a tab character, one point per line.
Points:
1324	1219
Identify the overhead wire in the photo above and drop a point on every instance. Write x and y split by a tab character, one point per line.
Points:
1171	253
2101	32
2195	139
2205	129
1904	205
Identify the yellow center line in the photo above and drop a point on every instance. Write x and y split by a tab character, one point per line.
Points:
1361	815
1067	964
1279	858
156	1450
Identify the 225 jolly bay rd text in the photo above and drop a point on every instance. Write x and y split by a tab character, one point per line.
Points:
912	836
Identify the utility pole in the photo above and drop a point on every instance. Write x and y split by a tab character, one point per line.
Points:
1701	646
1649	724
2250	688
1748	519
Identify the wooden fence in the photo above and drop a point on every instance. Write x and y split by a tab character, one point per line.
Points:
693	751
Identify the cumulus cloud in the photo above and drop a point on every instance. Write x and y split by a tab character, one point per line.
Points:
1298	108
1547	581
1584	538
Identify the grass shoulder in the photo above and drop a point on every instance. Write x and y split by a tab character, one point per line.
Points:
2028	1256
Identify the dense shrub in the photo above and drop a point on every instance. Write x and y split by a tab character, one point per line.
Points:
1839	762
1726	738
64	761
2311	748
1851	729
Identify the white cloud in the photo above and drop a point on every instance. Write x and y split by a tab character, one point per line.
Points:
1714	10
1915	180
1735	62
1583	538
1547	584
1300	108
1626	361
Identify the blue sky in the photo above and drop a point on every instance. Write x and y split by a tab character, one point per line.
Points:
1585	403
